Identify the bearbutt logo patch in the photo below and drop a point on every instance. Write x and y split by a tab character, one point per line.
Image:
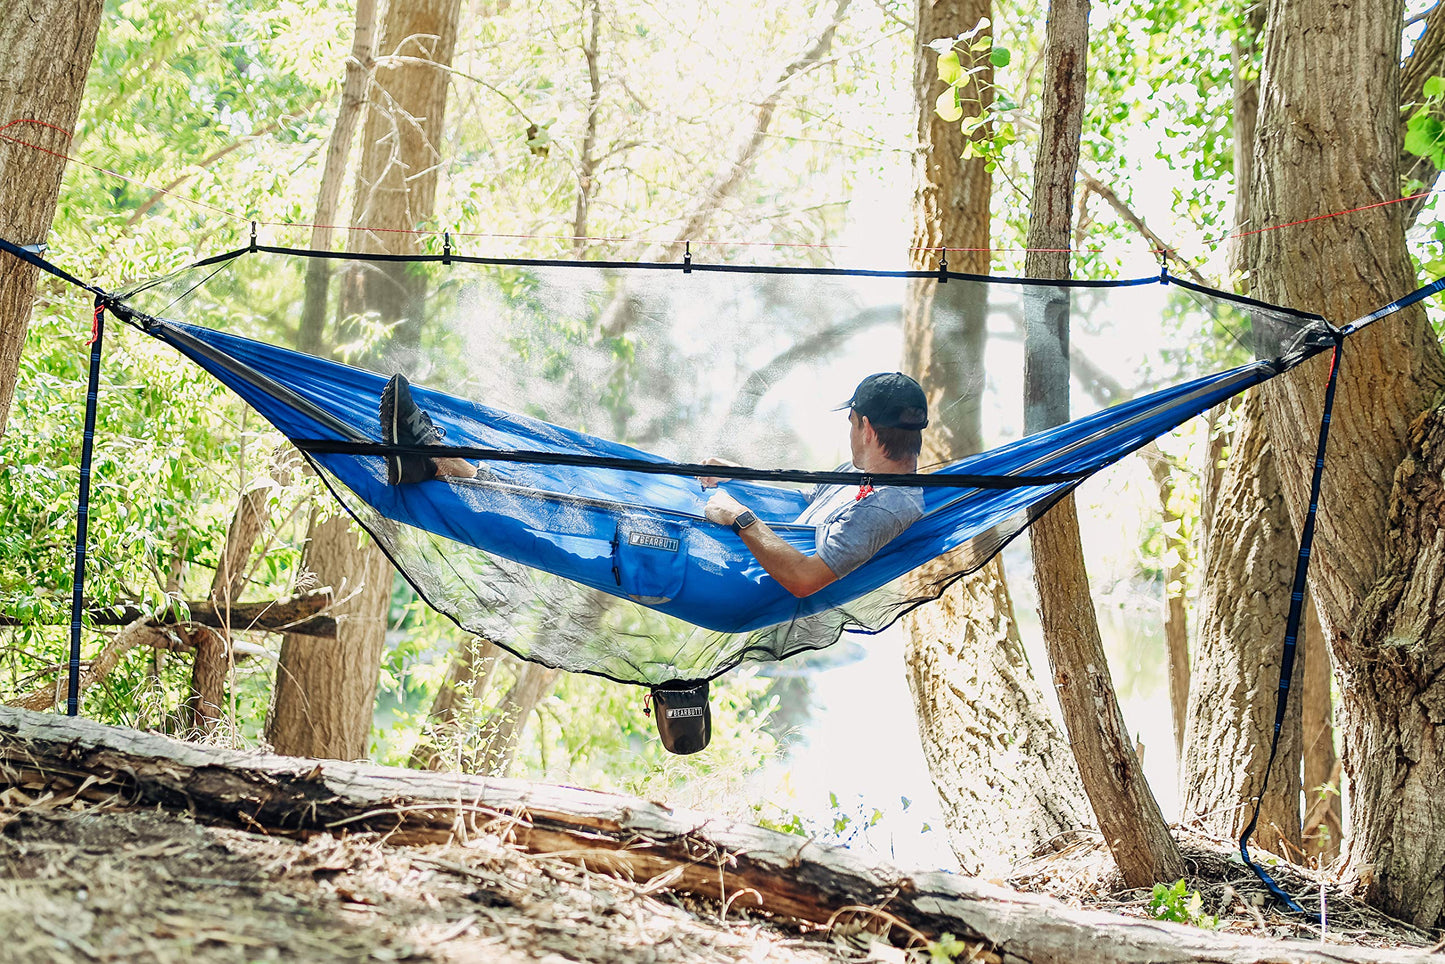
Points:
683	712
651	540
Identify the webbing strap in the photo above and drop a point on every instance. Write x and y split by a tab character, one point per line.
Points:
1291	634
82	510
1414	297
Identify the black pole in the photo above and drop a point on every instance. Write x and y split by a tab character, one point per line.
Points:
82	510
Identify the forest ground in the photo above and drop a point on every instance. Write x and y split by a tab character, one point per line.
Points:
81	881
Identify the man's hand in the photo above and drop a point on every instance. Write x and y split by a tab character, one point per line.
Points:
712	481
723	509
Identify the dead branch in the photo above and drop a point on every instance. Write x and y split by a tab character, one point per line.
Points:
304	615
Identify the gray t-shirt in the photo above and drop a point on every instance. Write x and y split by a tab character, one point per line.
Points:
851	529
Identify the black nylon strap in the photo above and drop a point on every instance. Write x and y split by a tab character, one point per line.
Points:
1291	635
934	479
82	511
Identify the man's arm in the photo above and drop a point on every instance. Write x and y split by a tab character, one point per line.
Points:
801	575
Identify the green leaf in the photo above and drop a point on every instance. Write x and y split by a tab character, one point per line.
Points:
941	46
1000	56
1435	87
947	106
949	69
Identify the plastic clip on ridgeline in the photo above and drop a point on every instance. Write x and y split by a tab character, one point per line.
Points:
943	267
446	247
252	248
687	257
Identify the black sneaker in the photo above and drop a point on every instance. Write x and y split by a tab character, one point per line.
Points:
403	423
684	720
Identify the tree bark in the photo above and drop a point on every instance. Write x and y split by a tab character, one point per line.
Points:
325	690
1249	549
1113	778
45	52
1323	820
1379	547
1244	602
713	858
998	761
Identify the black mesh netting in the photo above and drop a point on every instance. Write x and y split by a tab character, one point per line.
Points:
654	362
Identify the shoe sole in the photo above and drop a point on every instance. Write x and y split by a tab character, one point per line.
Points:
389	409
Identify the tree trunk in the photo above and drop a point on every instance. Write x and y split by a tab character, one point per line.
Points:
509	720
328	196
1244	602
1379	548
998	761
1176	625
45	52
1123	804
325	689
468	674
1323	821
1249	549
212	661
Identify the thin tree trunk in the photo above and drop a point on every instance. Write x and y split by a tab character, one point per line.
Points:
45	52
1176	626
1125	808
998	761
510	718
1375	570
587	161
1244	602
326	689
333	171
209	669
471	669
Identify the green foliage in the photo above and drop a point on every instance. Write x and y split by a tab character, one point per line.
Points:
970	97
948	948
1425	130
1174	902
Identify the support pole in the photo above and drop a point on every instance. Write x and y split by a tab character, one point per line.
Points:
82	509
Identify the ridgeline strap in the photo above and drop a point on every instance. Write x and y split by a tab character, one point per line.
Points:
1291	634
1418	295
82	508
324	446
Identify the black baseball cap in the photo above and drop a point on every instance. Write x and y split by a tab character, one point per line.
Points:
890	400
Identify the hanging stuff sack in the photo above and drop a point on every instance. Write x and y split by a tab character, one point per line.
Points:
684	720
649	558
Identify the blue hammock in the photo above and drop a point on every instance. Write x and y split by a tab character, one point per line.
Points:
641	534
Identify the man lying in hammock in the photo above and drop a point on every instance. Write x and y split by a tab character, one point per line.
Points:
886	415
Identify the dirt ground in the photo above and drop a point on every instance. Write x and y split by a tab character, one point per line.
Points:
101	885
87	882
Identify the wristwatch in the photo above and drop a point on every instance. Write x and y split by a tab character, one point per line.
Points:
743	519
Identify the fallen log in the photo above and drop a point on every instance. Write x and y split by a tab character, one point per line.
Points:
301	614
625	836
